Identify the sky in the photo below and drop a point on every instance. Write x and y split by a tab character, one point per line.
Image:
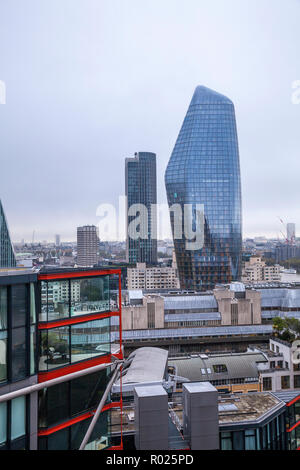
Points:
90	82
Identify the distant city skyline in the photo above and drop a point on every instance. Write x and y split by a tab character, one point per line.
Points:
88	83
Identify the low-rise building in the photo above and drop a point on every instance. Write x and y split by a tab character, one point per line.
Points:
149	278
256	270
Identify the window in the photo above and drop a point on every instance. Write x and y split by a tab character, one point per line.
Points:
250	439
296	381
32	304
71	437
3	308
285	382
89	295
267	383
3	356
3	422
234	314
55	348
90	339
74	297
151	315
19	305
226	441
13	423
18	354
219	368
18	417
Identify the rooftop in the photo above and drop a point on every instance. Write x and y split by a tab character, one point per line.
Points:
243	365
249	407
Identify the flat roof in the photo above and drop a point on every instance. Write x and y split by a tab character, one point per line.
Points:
249	407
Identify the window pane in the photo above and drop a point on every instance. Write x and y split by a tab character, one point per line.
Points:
18	354
90	339
238	440
59	440
18	305
285	382
54	348
3	356
18	414
32	349
100	437
250	441
57	300
43	313
86	392
3	308
226	441
89	295
3	422
53	405
32	304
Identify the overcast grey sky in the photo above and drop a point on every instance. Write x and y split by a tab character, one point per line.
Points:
90	82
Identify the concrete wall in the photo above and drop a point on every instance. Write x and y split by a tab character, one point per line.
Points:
249	308
135	317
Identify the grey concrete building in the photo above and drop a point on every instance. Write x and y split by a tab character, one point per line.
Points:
87	245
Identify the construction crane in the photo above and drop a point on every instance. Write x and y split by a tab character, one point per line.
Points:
284	236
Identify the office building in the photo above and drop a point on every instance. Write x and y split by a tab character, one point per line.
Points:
56	358
204	173
87	246
141	228
7	255
151	278
18	365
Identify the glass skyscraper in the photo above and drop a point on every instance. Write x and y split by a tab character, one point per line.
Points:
140	188
204	169
7	255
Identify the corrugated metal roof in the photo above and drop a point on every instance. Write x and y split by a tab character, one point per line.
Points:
192	316
287	396
238	366
283	298
277	313
194	332
190	301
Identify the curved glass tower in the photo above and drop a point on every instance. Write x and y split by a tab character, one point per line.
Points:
7	254
204	169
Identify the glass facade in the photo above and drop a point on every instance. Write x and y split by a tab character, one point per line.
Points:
71	437
74	297
68	400
269	436
74	343
7	256
13	424
17	332
204	169
140	188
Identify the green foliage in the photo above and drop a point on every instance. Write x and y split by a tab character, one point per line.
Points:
293	263
287	329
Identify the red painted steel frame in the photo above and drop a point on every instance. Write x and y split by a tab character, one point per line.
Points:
48	375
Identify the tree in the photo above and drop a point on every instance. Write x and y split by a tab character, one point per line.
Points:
286	328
